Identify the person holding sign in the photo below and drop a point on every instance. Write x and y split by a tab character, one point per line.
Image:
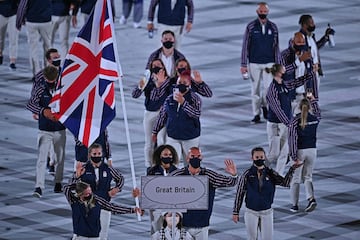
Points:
164	159
197	221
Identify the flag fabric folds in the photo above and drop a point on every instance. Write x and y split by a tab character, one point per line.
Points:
87	98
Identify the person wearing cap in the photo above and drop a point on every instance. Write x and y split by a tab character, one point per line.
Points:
257	185
181	116
86	207
164	162
100	177
165	233
197	222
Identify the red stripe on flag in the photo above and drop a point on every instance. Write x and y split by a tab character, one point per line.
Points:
109	100
108	72
89	116
84	79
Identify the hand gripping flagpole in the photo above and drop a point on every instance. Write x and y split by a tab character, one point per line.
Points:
123	107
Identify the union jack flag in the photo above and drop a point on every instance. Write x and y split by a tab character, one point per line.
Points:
87	99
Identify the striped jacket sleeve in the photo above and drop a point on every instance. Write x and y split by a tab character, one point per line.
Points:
114	208
161	120
151	11
190	11
20	15
34	102
240	193
277	179
219	180
201	88
297	82
193	110
293	137
118	177
245	45
290	66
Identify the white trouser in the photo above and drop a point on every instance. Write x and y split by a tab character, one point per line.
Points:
61	24
45	140
178	31
149	121
199	233
9	23
105	217
278	145
138	9
263	219
303	174
260	82
35	32
182	147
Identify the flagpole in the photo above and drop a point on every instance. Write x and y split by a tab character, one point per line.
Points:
124	109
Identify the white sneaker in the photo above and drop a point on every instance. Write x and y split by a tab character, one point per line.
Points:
122	20
136	25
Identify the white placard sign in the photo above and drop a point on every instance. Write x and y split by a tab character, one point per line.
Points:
174	192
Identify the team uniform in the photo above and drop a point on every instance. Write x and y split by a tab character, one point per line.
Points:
86	218
302	144
100	180
260	50
154	99
182	122
279	117
51	134
259	195
197	221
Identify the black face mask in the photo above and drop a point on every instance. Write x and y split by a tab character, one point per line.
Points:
168	44
259	162
262	16
300	48
180	70
88	198
311	28
56	62
166	160
156	70
182	88
51	85
96	159
195	162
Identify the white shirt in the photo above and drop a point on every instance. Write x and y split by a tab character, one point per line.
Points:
169	63
299	72
314	49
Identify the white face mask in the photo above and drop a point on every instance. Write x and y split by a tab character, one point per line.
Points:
169	220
